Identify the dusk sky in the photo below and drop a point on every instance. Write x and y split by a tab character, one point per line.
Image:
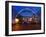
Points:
25	11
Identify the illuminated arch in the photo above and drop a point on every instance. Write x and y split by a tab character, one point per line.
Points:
25	9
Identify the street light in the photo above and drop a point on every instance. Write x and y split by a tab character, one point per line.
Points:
16	20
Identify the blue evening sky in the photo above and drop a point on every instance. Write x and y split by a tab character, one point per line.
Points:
25	10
